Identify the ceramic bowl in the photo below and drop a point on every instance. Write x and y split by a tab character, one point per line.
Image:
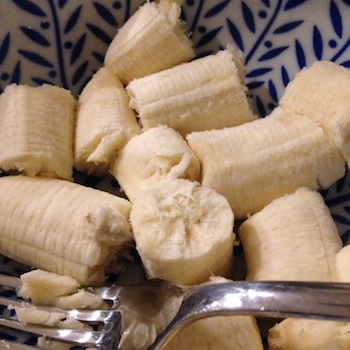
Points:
63	42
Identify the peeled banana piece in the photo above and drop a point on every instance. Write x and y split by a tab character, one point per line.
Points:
303	334
151	40
49	288
257	162
206	93
342	261
104	123
63	227
306	334
219	332
292	238
183	232
36	131
158	154
321	92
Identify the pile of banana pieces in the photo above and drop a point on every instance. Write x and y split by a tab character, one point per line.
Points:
179	135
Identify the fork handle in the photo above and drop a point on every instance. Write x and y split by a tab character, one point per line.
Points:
316	300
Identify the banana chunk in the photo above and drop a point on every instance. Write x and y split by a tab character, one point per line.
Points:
305	334
342	262
321	92
206	93
183	232
104	123
36	131
257	162
151	40
44	287
315	334
219	332
158	154
292	238
63	227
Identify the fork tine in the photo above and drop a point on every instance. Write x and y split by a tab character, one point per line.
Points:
105	333
80	315
10	281
107	338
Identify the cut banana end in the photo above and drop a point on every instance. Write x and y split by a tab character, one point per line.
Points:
322	93
292	238
49	288
219	332
206	93
183	232
152	39
303	334
157	155
36	131
257	162
63	227
104	123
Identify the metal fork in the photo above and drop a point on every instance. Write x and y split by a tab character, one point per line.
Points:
150	301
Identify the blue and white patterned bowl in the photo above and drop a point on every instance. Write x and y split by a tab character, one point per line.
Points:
63	42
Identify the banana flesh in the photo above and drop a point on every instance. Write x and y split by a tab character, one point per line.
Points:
48	288
158	154
295	238
315	334
63	227
321	93
36	131
206	93
305	334
257	162
150	41
104	123
292	238
219	332
179	227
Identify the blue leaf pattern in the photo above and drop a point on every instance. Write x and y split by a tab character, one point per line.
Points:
317	43
272	53
235	33
292	4
77	49
16	74
62	3
266	2
79	73
4	48
99	33
216	9
287	27
300	54
336	19
258	72
273	90
105	14
284	76
207	37
30	7
346	64
248	17
35	36
73	19
36	58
